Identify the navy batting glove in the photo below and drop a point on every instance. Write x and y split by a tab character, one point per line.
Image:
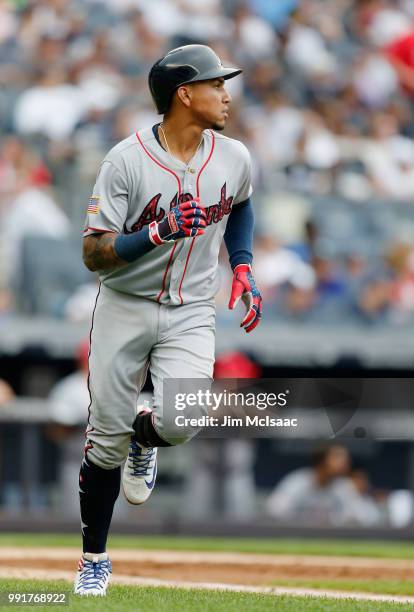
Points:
188	219
245	288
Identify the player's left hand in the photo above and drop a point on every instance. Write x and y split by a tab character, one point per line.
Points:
245	288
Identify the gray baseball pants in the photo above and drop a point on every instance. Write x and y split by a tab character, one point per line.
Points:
129	335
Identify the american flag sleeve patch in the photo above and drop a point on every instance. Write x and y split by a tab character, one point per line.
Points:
93	206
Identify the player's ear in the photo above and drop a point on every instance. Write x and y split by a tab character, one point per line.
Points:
184	94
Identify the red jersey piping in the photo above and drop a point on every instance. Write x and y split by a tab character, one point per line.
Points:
99	229
179	194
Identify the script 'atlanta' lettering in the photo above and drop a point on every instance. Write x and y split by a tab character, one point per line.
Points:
151	213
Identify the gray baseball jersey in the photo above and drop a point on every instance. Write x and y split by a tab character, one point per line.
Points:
139	182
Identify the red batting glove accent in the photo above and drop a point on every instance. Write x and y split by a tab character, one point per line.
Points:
255	319
237	289
250	312
244	287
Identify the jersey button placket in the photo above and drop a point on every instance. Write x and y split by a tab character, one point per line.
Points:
188	180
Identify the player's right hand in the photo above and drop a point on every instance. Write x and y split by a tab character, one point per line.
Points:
185	220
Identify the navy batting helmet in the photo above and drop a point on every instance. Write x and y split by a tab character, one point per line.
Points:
184	65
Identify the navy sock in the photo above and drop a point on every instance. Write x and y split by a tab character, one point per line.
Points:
98	492
145	433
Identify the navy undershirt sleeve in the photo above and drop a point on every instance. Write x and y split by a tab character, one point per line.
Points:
130	247
238	236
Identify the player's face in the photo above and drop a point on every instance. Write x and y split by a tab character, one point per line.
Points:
210	103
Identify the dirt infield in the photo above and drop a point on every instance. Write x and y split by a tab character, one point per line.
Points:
232	568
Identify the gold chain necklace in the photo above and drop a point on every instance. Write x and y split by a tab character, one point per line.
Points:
169	150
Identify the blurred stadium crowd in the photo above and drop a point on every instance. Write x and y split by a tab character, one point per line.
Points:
324	105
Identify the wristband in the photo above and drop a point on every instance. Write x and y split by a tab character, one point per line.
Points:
244	265
154	235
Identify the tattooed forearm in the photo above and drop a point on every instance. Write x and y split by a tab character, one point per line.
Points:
99	252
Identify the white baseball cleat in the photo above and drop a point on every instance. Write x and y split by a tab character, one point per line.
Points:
92	577
140	472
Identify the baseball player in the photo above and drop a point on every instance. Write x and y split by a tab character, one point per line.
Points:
164	199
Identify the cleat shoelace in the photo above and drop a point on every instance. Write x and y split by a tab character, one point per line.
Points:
140	459
93	574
